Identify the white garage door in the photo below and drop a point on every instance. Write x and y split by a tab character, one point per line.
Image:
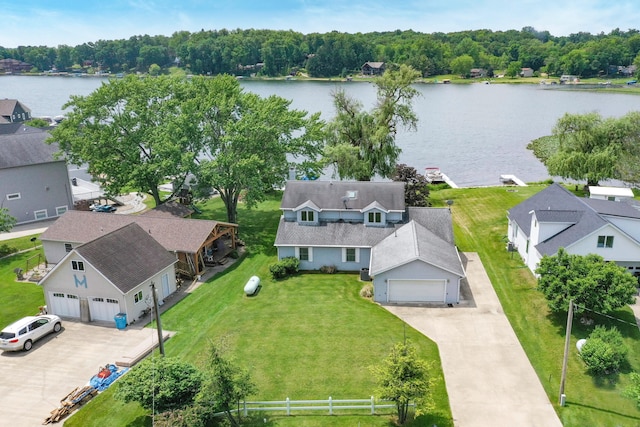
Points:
63	304
416	290
103	308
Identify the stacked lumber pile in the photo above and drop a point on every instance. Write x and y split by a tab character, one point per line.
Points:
71	402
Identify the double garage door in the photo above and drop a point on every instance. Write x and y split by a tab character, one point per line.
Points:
416	290
68	305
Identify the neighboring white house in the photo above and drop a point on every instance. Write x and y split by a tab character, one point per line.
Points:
365	226
109	275
555	218
610	193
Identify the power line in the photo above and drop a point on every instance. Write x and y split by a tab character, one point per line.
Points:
606	315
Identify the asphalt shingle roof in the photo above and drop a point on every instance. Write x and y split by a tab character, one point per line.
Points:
557	204
127	256
332	195
25	147
175	234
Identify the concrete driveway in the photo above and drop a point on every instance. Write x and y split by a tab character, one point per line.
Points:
33	383
489	379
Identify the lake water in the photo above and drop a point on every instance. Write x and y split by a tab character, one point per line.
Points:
474	132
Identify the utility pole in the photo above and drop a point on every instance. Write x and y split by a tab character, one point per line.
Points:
156	313
567	341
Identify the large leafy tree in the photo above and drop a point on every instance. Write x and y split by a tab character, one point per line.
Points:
250	142
592	148
589	281
416	189
404	378
133	133
361	144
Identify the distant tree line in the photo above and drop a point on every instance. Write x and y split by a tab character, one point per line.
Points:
279	53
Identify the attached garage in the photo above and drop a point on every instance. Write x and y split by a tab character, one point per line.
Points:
64	304
103	308
403	290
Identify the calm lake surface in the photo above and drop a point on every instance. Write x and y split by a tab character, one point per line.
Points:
474	132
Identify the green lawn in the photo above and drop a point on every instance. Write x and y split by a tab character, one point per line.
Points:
312	336
309	337
18	299
481	226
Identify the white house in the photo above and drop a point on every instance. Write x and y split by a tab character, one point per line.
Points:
365	226
109	275
555	218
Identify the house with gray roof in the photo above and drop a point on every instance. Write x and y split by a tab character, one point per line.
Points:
34	184
555	218
13	111
109	275
409	253
197	243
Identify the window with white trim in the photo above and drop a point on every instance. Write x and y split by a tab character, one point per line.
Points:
13	196
375	217
350	254
304	254
68	247
77	265
307	216
42	214
61	210
137	297
605	241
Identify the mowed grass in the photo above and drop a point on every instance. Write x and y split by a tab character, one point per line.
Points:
18	299
307	337
481	226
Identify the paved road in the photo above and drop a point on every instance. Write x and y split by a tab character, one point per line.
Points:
489	379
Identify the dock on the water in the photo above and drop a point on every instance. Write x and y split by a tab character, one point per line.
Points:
508	179
449	182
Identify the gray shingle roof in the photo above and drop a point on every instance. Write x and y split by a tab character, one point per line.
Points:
413	242
127	256
557	204
27	147
8	106
329	195
175	234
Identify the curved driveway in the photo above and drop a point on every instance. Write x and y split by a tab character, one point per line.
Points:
489	379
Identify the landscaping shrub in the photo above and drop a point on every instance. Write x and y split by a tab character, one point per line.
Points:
367	291
329	269
604	352
7	250
285	267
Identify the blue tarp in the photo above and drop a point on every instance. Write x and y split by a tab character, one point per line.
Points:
100	383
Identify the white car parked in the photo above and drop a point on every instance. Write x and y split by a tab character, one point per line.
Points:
22	334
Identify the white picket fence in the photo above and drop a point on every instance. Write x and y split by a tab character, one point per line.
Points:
288	406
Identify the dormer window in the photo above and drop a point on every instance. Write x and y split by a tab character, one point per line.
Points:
375	217
307	216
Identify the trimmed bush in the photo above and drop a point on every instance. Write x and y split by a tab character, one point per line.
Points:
284	268
604	352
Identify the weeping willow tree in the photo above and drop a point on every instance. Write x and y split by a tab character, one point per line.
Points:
361	144
592	148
